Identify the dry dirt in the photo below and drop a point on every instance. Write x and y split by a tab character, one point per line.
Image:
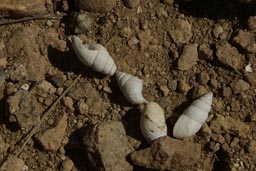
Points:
180	50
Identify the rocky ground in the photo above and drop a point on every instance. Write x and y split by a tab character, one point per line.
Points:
180	49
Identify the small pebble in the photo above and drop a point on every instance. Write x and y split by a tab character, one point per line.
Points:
217	30
183	86
132	3
226	91
203	78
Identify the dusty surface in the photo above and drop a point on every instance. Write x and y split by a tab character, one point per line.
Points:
180	49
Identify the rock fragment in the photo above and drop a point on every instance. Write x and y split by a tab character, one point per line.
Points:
183	87
67	165
204	52
181	31
188	58
252	23
23	8
18	72
239	86
51	139
203	78
229	125
91	95
251	78
107	147
100	6
246	40
3	147
217	30
168	154
43	89
132	3
13	164
229	55
24	109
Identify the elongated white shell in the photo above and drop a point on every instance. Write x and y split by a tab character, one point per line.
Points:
94	56
152	122
193	117
131	87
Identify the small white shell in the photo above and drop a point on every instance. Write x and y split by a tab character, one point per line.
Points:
94	56
152	122
193	117
131	87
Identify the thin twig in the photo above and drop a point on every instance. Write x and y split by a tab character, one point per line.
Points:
29	19
46	114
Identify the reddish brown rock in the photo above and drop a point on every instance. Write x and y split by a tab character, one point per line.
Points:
168	154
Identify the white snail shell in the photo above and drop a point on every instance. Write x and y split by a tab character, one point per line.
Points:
152	122
190	122
94	56
131	87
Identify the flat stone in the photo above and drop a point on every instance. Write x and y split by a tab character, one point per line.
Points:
51	139
107	147
229	55
24	109
168	154
229	125
181	31
246	40
188	58
23	8
100	6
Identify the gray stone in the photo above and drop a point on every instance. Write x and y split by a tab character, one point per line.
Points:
168	154
24	109
107	147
